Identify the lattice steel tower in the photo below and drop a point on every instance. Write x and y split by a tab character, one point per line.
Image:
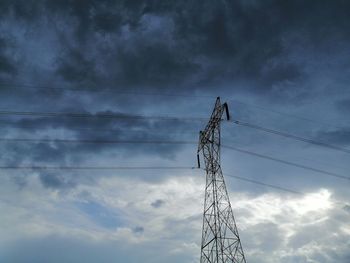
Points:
220	239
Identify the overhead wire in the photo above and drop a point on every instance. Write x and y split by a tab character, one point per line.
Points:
108	115
96	141
113	129
108	90
83	115
128	92
38	167
323	123
97	115
143	168
284	189
171	118
139	168
291	136
264	184
181	142
267	157
35	167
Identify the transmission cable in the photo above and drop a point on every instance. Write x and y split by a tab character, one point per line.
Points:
113	129
97	115
323	123
128	92
144	168
181	142
288	135
96	141
35	167
108	90
265	184
288	190
287	162
125	116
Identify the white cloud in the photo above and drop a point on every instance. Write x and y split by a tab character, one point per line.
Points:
273	227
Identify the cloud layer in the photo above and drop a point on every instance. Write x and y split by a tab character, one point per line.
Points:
281	65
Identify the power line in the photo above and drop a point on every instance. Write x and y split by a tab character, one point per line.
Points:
75	168
177	142
288	135
288	190
15	125
96	141
135	93
139	168
108	90
98	115
125	116
96	167
286	162
143	168
285	114
64	127
265	184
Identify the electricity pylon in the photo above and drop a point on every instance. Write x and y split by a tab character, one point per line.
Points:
220	239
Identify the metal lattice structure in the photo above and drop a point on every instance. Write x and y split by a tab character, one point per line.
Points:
220	239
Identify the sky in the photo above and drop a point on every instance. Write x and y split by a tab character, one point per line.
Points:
281	65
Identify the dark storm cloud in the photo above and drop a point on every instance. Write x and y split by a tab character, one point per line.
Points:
77	68
344	106
179	45
259	50
163	44
7	66
104	125
340	136
88	129
154	65
167	43
95	16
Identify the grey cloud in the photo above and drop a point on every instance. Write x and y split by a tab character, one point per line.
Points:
157	203
198	45
21	9
92	127
294	259
267	235
7	65
77	69
138	229
55	249
340	136
344	105
154	65
56	180
89	129
248	50
100	214
347	208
